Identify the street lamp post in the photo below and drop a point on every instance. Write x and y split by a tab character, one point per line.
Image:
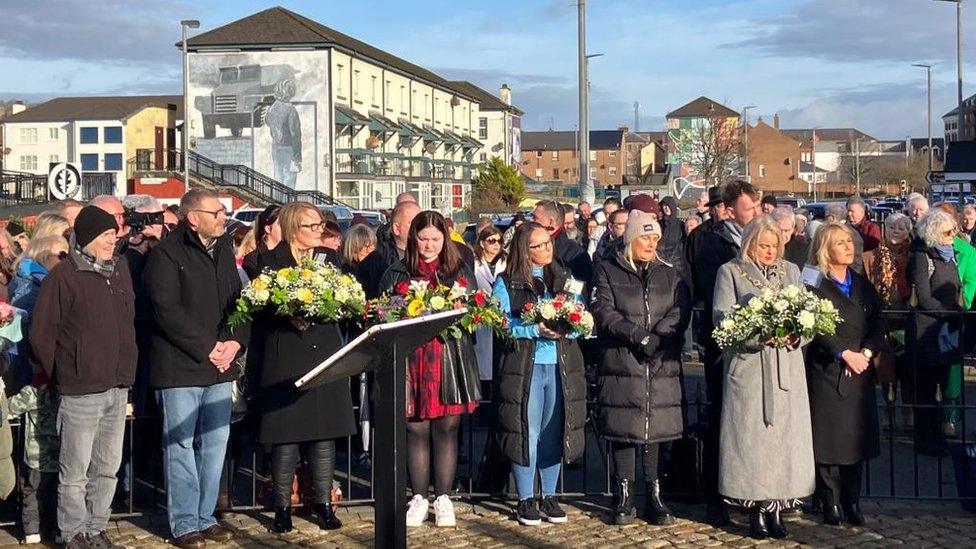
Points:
928	123
959	115
186	24
745	123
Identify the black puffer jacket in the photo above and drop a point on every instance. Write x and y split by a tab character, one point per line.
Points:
515	375
639	394
936	287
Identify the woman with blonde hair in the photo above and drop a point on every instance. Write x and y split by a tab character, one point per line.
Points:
50	224
641	307
297	422
841	375
765	443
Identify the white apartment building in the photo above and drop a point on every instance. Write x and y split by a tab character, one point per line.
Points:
499	125
99	133
317	110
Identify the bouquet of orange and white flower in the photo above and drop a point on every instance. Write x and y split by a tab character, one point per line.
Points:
411	299
311	291
561	314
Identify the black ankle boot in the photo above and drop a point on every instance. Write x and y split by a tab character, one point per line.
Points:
831	514
623	502
326	516
852	513
757	523
775	524
282	520
717	514
655	511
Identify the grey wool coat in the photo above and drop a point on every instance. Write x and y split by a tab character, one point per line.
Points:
766	440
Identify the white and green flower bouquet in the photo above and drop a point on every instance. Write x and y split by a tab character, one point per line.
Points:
778	318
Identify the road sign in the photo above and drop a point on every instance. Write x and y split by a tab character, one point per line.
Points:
933	177
64	180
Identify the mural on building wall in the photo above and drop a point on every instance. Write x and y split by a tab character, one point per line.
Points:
264	110
515	157
702	152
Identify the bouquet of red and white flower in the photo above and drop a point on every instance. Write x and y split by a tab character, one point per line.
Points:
561	314
411	299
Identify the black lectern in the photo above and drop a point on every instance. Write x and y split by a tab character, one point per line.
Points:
384	348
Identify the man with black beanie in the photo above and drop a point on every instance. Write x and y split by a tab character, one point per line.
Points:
83	337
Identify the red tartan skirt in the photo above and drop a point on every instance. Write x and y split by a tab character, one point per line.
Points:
424	385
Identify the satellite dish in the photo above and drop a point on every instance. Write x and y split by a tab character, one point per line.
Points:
431	148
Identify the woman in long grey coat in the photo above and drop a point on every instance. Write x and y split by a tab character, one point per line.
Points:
766	445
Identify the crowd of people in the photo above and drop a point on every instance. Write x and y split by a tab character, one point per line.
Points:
124	309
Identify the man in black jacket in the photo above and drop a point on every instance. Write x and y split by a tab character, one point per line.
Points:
192	282
549	214
712	219
717	248
389	251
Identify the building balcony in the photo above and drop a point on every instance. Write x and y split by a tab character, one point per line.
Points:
365	163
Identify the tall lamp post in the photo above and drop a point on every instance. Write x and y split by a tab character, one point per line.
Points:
928	122
959	115
745	123
186	24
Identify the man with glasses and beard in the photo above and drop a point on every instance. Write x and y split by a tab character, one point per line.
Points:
192	281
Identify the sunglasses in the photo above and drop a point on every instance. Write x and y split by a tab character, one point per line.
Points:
493	240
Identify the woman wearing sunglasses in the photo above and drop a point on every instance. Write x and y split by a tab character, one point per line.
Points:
489	263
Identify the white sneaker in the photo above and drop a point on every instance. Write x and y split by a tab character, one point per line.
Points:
444	512
31	539
417	510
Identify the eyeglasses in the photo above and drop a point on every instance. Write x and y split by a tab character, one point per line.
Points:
493	240
542	245
314	227
215	213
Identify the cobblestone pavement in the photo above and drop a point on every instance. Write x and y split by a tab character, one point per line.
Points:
490	524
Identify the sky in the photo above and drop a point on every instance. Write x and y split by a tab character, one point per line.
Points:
817	63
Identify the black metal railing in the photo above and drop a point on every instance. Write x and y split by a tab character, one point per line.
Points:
18	188
224	175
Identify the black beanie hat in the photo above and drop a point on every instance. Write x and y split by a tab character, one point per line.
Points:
91	222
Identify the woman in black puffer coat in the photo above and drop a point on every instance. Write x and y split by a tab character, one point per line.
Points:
641	307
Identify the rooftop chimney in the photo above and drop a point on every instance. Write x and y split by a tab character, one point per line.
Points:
776	121
624	128
505	94
17	107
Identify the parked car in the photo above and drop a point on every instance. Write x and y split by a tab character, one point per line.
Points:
501	222
794	201
374	218
343	215
246	215
815	211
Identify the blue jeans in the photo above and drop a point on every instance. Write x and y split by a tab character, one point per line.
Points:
196	425
545	416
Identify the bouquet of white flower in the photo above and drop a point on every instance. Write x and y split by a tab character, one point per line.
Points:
778	318
312	291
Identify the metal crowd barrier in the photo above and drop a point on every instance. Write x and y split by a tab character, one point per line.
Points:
901	471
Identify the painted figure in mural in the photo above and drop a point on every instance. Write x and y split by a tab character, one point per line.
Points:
286	133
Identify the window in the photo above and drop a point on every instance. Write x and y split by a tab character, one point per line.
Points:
555	155
28	163
112	134
386	96
28	135
427	107
484	157
414	108
592	156
53	159
613	170
762	170
538	154
373	92
88	135
555	173
339	86
113	162
592	173
403	100
613	154
89	162
538	173
482	128
355	85
52	133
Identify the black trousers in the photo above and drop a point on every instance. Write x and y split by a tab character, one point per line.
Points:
320	456
714	387
625	460
40	498
839	484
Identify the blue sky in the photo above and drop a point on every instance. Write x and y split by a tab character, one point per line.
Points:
823	63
